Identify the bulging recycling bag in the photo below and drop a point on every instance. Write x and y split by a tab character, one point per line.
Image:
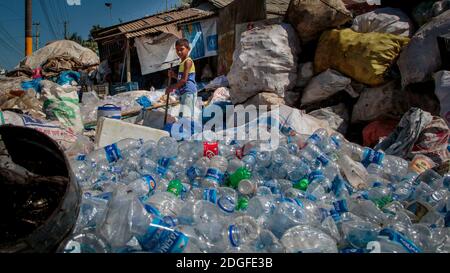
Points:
365	57
422	57
385	20
311	18
265	61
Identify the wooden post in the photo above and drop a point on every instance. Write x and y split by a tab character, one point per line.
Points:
128	61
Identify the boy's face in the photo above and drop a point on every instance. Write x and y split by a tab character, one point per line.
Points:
182	51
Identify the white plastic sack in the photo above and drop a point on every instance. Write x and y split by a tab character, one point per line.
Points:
265	61
62	104
12	83
326	85
421	58
385	20
221	94
65	137
218	82
386	101
265	98
61	48
337	116
442	79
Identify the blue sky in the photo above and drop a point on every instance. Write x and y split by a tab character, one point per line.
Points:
81	18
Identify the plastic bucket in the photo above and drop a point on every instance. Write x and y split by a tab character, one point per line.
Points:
37	215
109	111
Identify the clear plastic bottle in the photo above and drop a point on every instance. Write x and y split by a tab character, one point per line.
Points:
114	152
215	175
168	203
306	239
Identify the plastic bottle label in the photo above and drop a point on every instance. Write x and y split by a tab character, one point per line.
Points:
323	160
421	165
210	149
164	162
315	138
150	182
112	153
210	195
160	239
215	175
371	156
402	240
337	185
336	142
316	175
192	173
105	196
151	209
340	206
311	197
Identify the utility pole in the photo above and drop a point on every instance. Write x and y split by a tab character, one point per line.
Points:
28	28
167	5
65	30
37	35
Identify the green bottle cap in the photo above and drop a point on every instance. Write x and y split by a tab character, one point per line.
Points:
175	187
302	185
239	175
242	203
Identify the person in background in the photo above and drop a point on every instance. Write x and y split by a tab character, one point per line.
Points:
186	87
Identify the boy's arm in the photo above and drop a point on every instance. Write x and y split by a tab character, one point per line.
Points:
184	79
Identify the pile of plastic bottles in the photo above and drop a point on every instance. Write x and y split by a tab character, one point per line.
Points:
316	193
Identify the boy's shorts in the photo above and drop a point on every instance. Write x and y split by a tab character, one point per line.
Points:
187	102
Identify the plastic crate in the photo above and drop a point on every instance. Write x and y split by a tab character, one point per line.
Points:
124	87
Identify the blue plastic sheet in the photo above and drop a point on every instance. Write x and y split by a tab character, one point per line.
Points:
67	77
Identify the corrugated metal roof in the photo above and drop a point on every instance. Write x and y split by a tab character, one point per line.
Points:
278	7
220	3
273	6
150	24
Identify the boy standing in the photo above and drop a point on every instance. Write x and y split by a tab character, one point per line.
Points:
186	87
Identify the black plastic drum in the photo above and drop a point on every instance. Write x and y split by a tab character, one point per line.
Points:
36	216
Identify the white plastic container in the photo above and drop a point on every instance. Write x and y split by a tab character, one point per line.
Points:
109	111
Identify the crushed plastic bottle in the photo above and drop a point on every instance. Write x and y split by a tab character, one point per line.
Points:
317	193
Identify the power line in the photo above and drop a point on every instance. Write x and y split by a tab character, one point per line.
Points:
55	16
9	36
8	46
47	18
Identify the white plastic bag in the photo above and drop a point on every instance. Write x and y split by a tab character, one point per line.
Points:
326	85
265	61
337	116
62	104
385	20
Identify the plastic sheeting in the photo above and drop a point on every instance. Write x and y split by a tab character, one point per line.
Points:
61	48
